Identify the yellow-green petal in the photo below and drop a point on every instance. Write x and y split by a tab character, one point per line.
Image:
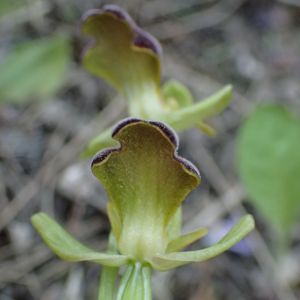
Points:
186	239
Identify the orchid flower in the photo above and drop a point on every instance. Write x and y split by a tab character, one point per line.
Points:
129	59
146	182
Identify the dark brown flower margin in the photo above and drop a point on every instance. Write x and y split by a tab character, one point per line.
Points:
164	129
141	40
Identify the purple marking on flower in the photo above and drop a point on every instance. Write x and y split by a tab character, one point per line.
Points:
118	12
168	131
188	165
124	123
91	13
102	155
145	40
142	39
90	44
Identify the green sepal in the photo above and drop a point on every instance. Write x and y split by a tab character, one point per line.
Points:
186	239
68	248
188	116
206	128
180	119
172	260
176	95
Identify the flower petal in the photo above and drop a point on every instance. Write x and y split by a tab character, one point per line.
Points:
172	260
175	225
67	248
186	239
146	182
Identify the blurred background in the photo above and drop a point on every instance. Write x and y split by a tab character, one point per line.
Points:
50	107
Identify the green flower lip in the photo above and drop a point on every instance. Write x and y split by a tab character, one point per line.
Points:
166	130
142	39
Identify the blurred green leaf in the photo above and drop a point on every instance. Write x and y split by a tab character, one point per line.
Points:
36	69
9	6
268	153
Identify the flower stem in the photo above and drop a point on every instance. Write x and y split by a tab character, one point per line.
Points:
136	283
108	275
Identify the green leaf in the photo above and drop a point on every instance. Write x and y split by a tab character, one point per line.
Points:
172	260
68	248
268	160
34	70
186	239
9	6
125	56
143	175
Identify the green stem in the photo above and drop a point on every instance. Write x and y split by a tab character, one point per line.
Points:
108	275
147	282
136	283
